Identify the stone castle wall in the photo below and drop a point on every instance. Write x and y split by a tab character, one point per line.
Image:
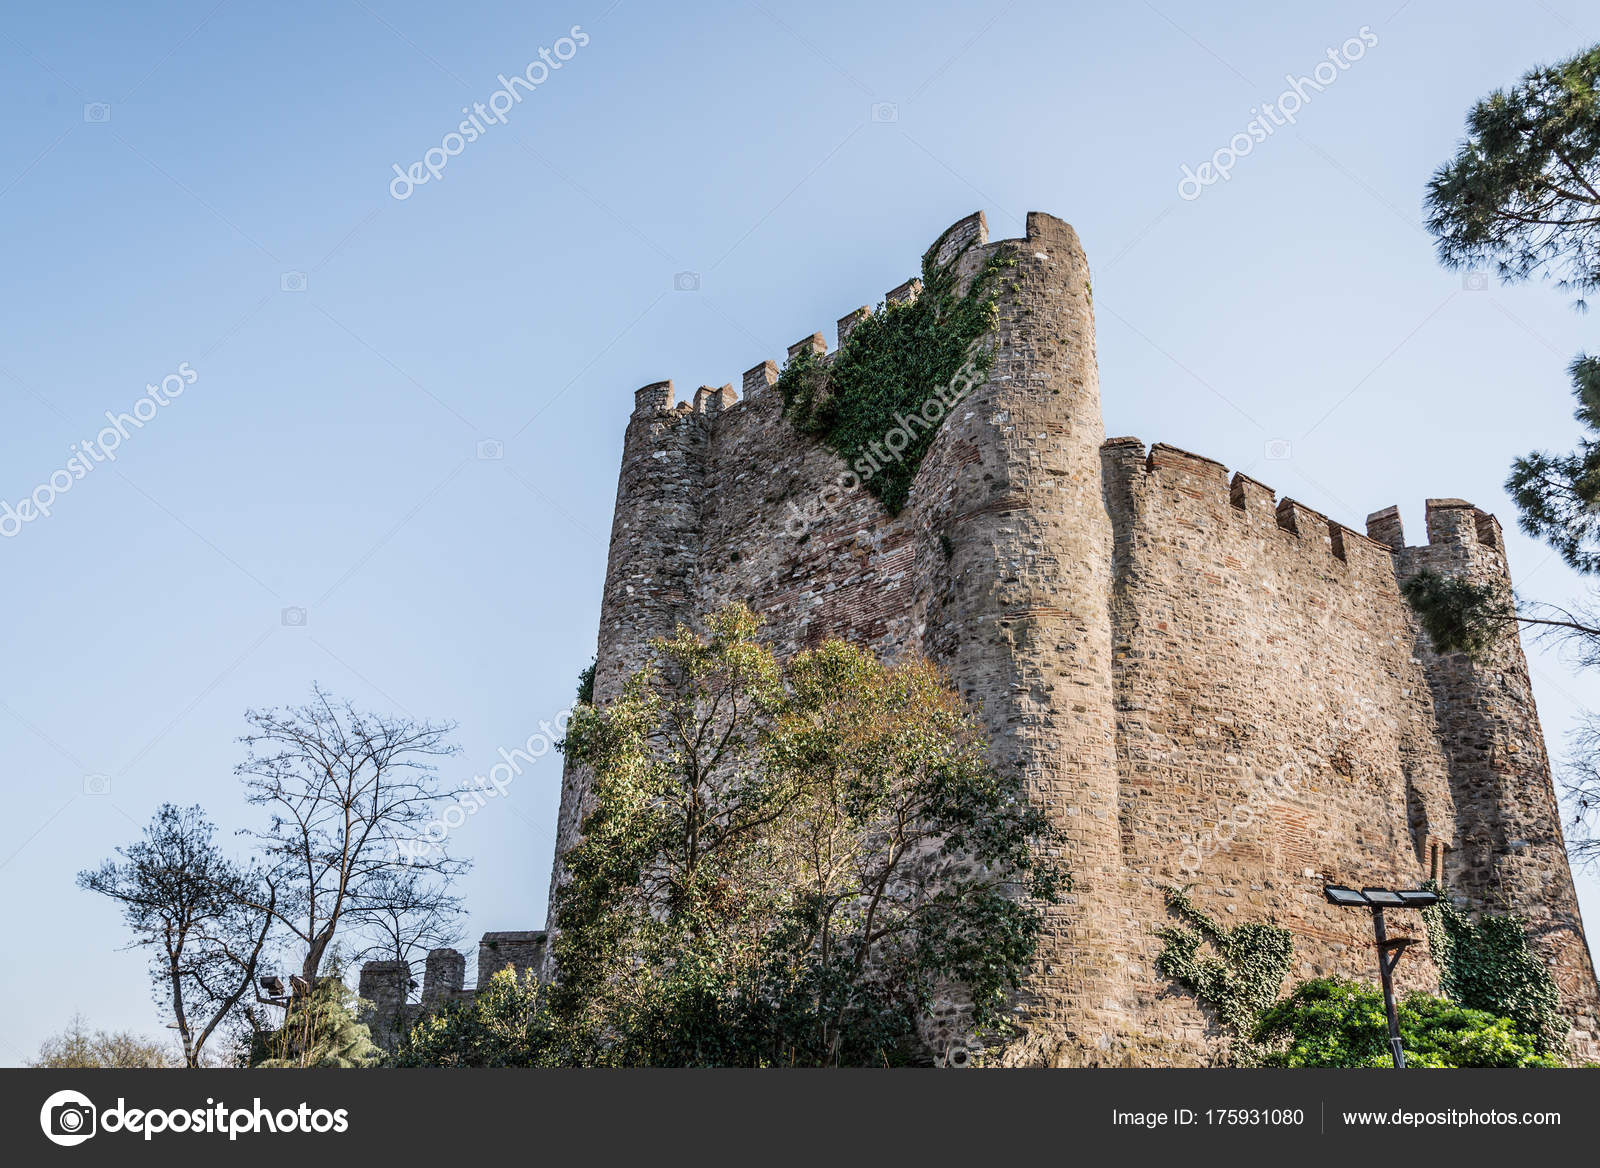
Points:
386	986
1152	646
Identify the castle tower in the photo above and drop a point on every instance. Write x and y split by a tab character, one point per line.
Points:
1198	683
1030	566
655	531
1510	853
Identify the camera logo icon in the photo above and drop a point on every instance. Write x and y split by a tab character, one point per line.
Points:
294	617
1277	449
97	111
97	784
68	1118
1475	282
686	282
491	450
885	111
292	282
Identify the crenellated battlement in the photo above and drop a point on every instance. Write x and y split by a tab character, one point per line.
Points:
714	400
385	987
1207	481
973	230
1451	523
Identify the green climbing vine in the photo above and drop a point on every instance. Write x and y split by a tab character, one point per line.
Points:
1242	973
894	363
1488	966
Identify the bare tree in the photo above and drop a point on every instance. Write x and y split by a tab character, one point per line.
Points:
349	794
1581	785
404	913
205	920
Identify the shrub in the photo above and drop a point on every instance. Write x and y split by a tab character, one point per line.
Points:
1329	1022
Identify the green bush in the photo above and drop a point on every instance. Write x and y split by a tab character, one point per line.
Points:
1329	1022
790	863
504	1025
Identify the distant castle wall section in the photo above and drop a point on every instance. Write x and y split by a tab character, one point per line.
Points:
385	987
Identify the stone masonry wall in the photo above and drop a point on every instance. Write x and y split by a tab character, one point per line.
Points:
1511	851
385	986
1263	659
1150	645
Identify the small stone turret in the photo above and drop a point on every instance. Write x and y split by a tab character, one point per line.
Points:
385	986
443	977
1509	851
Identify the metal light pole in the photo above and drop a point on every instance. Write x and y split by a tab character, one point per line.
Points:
1389	953
1390	949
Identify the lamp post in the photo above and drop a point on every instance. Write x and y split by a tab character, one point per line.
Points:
1390	949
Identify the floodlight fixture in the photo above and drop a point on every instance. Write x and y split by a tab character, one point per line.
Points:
1390	949
1418	897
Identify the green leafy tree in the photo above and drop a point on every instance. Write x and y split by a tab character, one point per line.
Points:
1329	1022
788	864
1522	195
320	1029
197	914
505	1024
1521	192
1459	615
1558	495
75	1048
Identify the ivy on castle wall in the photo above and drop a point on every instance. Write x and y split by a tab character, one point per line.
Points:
891	366
1488	966
1240	975
1500	1008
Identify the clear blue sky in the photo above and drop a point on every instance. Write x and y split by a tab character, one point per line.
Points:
325	457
